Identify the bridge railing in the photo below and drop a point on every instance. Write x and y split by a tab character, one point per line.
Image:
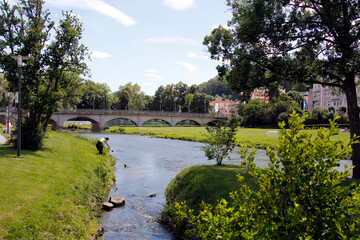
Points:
142	112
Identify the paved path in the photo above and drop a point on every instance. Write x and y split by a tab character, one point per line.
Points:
2	140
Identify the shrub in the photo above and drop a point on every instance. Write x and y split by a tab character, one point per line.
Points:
220	141
32	134
300	196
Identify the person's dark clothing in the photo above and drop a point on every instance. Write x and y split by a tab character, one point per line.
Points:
100	147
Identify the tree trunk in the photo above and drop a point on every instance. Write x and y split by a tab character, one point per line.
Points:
46	122
354	119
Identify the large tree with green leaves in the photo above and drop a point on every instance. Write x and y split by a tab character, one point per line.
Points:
95	96
55	56
130	97
269	41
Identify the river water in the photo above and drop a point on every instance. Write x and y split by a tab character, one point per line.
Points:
152	164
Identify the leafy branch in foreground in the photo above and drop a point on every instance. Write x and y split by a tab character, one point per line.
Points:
301	194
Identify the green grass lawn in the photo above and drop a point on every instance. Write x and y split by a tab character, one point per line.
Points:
53	193
253	137
207	183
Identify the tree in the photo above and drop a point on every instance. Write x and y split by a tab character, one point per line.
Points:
307	41
220	141
200	103
298	196
130	97
94	96
54	63
188	99
157	102
215	87
252	113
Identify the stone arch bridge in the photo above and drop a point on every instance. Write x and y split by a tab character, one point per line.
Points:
99	117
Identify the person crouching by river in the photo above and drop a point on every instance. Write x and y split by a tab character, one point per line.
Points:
100	144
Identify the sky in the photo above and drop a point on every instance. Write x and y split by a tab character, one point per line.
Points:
148	42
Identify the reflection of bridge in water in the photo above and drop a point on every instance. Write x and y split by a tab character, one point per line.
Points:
99	117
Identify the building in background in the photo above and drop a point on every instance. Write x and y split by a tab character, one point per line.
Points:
263	94
224	106
325	96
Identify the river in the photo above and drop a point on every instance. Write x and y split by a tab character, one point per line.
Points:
152	164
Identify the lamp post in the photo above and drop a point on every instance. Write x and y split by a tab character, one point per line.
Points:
104	100
8	115
19	59
175	99
205	105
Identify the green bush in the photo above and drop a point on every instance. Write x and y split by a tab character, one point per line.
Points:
220	141
300	195
32	135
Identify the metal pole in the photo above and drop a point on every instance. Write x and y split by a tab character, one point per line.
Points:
8	114
18	134
104	101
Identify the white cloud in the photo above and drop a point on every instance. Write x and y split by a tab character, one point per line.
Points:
188	66
194	55
98	54
224	26
98	6
154	76
180	5
173	40
152	70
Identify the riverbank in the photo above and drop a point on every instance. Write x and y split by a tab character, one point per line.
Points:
53	193
252	137
197	184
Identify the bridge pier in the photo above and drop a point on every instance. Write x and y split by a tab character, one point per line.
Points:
97	127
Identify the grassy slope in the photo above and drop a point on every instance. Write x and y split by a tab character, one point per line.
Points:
207	183
52	193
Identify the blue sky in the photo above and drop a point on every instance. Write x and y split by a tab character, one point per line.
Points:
148	42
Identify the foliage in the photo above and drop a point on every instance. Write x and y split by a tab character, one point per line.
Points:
32	134
129	97
259	113
215	87
252	113
196	184
300	195
200	103
54	62
181	97
220	141
95	96
270	42
320	116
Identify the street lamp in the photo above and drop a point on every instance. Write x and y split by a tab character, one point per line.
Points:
104	97
19	59
175	99
205	105
8	115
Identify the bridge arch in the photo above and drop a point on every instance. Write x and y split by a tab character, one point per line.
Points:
120	121
188	122
215	122
156	121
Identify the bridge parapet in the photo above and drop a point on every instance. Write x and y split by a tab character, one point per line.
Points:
143	113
